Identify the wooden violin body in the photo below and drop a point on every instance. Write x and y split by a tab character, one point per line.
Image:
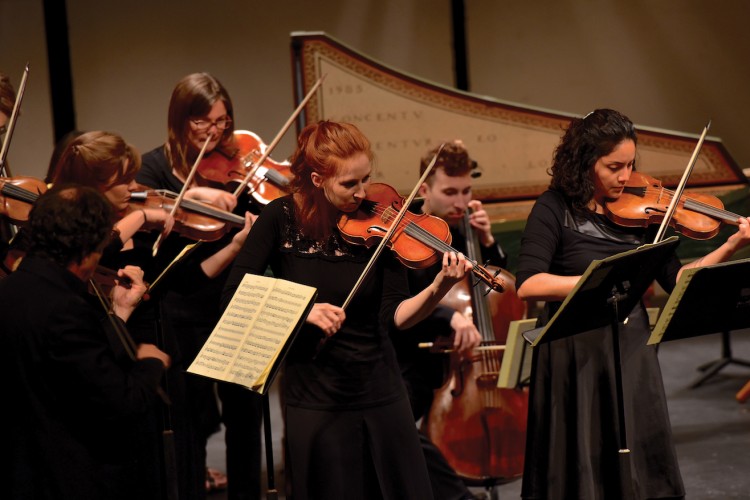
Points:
368	225
480	428
17	195
645	201
228	168
419	240
193	219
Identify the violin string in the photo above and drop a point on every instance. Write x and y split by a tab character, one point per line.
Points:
424	236
19	193
206	210
716	212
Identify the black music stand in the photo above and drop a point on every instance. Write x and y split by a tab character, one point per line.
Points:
710	299
605	295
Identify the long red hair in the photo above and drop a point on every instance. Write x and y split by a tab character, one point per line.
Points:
322	148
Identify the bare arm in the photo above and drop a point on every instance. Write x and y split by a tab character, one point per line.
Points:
148	218
413	310
735	242
547	287
219	261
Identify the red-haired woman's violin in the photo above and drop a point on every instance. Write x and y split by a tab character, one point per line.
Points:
419	241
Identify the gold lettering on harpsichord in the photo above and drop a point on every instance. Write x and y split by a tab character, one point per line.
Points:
383	116
344	89
405	143
486	138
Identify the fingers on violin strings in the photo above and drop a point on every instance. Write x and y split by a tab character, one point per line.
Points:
449	259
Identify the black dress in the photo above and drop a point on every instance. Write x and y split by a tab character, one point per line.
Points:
188	313
349	428
573	428
186	308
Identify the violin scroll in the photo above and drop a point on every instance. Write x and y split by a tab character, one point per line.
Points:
492	280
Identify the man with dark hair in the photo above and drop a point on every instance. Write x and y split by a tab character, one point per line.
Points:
447	194
72	395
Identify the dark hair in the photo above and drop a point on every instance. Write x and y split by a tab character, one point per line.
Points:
69	222
585	141
96	159
322	148
193	97
454	160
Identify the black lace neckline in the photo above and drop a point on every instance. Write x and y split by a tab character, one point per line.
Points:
333	247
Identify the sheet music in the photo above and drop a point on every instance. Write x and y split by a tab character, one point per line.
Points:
253	330
671	306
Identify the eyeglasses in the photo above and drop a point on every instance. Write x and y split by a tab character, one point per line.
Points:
222	123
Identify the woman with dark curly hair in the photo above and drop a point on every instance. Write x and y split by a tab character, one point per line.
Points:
572	438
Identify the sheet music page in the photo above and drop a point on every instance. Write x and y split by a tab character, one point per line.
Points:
671	306
251	333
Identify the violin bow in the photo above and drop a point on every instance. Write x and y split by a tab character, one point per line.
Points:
184	189
681	186
394	225
278	137
445	350
4	169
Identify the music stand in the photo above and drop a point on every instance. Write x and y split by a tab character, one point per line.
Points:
515	370
605	295
710	299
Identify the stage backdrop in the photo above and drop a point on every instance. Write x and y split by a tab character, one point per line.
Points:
405	116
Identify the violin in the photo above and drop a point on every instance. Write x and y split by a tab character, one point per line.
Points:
193	219
229	167
644	201
249	163
107	279
420	239
17	195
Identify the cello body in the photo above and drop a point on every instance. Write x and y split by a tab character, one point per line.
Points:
480	428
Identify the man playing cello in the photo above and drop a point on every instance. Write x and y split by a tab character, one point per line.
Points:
446	194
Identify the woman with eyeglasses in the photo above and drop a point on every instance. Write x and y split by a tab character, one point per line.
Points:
200	109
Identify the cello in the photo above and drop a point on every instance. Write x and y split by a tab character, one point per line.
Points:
480	428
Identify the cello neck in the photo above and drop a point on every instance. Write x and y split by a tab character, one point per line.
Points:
480	311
